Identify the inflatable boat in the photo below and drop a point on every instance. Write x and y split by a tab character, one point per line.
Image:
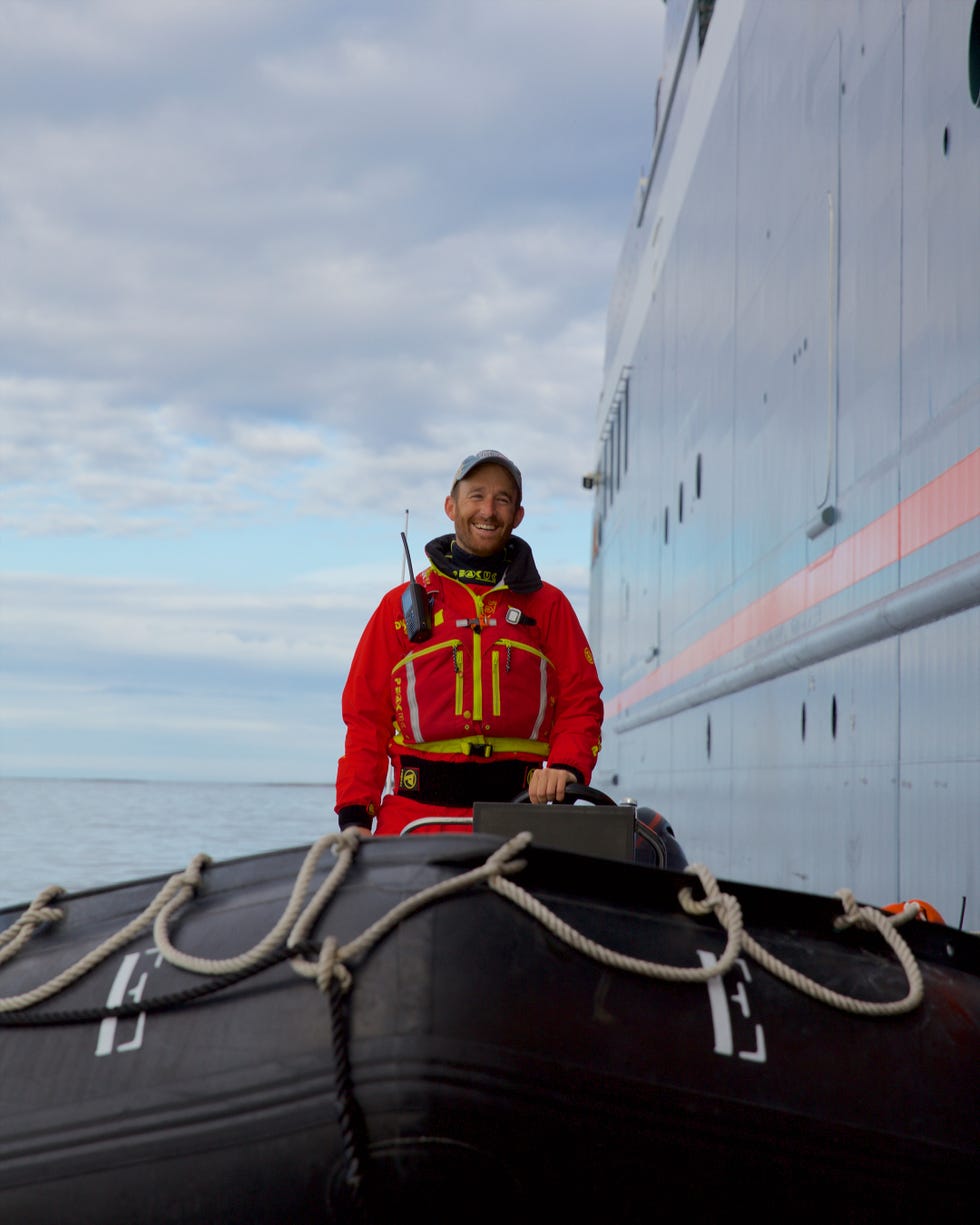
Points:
478	1028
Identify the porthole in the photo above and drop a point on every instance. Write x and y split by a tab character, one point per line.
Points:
803	722
974	55
833	717
946	142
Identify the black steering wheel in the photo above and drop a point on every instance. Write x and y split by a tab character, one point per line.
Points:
573	791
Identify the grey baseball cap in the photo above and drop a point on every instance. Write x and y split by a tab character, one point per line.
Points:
489	457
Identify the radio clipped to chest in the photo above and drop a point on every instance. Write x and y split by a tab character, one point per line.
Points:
415	604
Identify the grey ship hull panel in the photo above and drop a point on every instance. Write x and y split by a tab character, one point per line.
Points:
786	561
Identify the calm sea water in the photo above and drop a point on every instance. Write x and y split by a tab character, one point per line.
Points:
79	834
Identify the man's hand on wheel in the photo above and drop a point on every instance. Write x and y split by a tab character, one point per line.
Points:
547	785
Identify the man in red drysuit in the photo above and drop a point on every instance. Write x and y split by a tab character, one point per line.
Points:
501	696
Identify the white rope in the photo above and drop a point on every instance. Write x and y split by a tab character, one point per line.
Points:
20	931
345	845
298	920
726	907
729	914
332	961
909	911
182	883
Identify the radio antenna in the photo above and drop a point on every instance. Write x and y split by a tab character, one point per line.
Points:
416	608
407	558
404	538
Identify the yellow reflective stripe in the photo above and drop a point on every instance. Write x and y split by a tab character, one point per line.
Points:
542	697
522	646
501	744
544	663
496	682
407	666
477	664
436	646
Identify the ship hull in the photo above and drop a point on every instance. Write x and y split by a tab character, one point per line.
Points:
785	585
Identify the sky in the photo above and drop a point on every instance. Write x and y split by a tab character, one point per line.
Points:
268	271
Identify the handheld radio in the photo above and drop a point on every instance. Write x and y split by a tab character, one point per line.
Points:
415	605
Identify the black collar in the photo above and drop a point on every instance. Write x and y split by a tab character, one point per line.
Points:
514	566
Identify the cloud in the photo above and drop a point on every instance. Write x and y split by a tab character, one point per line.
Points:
99	627
269	272
122	661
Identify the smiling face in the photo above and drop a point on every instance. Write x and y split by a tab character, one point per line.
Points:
485	508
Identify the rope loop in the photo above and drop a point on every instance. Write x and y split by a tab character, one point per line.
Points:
494	868
39	912
293	925
713	898
327	963
330	968
179	886
909	911
192	875
331	962
727	908
862	916
852	916
867	919
501	860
